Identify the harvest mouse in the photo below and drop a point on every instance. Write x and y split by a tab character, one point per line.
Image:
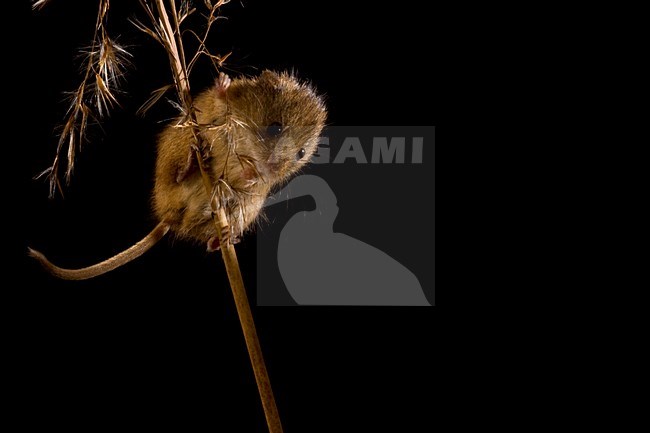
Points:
256	133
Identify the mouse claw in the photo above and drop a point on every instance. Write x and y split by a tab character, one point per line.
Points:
225	232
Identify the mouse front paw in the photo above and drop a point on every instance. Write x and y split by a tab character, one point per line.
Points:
190	164
222	84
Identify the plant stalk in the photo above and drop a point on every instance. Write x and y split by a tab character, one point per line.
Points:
177	62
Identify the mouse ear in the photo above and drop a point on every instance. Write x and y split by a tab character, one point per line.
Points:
223	83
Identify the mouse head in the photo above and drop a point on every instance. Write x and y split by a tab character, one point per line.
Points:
281	116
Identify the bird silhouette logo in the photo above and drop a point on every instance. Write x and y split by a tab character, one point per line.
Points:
322	267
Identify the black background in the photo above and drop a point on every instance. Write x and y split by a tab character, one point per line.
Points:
159	339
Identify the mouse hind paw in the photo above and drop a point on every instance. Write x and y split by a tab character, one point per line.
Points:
215	245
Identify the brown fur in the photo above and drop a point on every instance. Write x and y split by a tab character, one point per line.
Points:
239	151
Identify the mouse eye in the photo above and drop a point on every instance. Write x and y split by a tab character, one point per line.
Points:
274	130
300	154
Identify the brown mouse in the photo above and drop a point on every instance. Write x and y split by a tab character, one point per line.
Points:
257	132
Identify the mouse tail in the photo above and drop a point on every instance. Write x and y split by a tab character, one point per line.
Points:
107	265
